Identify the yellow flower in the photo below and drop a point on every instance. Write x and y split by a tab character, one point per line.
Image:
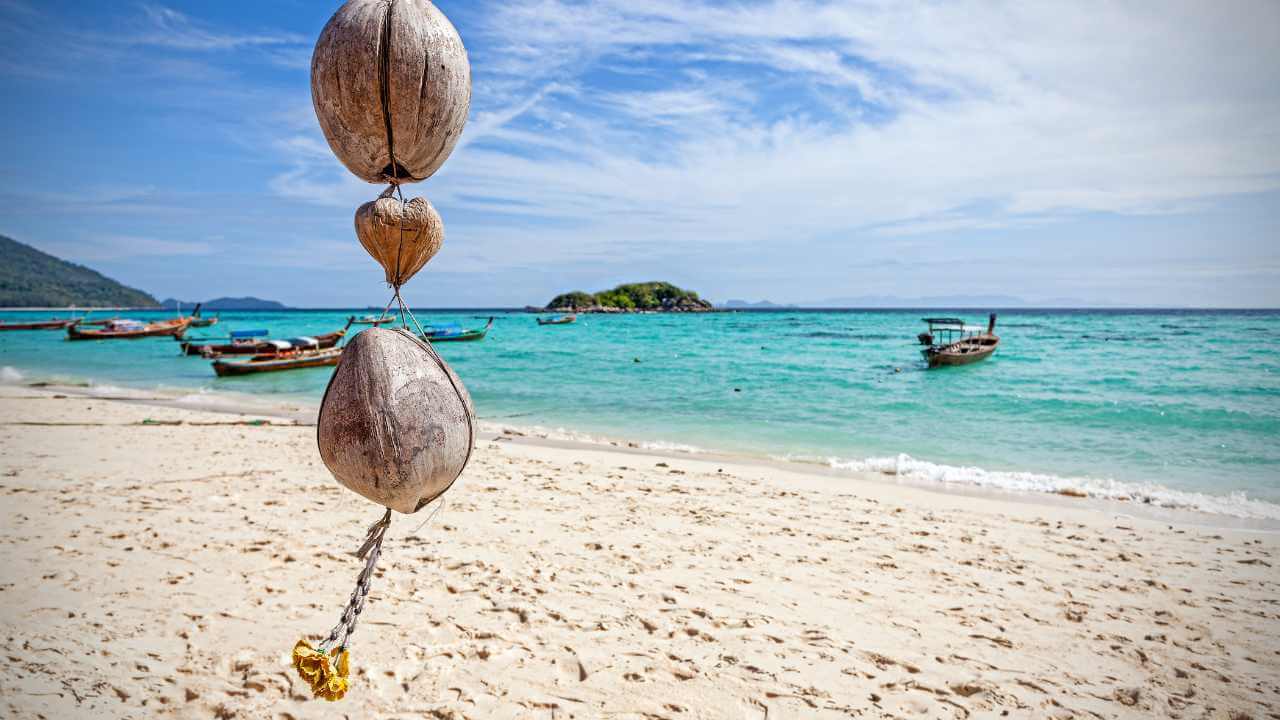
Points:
312	665
301	650
326	674
334	688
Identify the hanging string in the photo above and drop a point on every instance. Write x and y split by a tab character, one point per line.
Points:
369	551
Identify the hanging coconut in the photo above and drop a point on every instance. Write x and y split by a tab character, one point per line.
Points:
396	425
391	86
401	236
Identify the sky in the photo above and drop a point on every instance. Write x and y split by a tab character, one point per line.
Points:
792	150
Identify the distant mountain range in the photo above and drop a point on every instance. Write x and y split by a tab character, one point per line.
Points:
228	303
761	305
948	301
31	278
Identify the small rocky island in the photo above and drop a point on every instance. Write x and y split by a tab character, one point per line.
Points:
629	298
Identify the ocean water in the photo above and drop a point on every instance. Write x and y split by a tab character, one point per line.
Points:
1174	408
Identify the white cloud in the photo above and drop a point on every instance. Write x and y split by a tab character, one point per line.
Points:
1024	110
170	28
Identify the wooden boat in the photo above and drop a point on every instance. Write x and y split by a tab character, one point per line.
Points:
274	362
197	320
130	330
558	320
254	342
949	341
54	324
453	333
373	320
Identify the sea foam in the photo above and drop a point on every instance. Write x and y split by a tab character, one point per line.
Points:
10	376
910	469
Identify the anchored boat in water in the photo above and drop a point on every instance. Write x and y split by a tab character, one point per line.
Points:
274	362
948	341
452	332
373	320
558	320
255	342
130	330
54	324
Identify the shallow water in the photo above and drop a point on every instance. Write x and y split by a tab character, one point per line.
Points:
1163	406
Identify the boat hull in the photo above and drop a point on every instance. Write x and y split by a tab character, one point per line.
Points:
464	336
558	321
964	352
267	363
40	325
468	336
155	330
324	342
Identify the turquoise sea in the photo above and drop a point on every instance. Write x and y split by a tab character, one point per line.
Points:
1175	408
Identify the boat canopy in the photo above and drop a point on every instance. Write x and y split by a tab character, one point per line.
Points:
303	341
243	334
943	321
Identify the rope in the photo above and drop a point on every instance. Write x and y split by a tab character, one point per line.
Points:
369	551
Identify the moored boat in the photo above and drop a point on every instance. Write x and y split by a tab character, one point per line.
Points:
130	330
558	320
274	362
372	320
255	342
53	324
949	341
198	320
452	332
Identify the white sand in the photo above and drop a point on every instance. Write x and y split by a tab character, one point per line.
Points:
166	570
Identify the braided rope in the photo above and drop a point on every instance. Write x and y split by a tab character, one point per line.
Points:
369	551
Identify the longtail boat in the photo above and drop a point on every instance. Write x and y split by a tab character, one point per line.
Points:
254	342
372	320
54	324
130	330
452	332
948	341
197	320
558	320
273	362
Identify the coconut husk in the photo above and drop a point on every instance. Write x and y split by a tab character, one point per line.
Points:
401	236
391	86
396	424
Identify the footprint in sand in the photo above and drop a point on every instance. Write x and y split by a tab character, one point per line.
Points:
569	667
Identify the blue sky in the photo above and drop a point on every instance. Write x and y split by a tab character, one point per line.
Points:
793	150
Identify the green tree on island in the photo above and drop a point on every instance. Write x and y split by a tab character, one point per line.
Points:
649	296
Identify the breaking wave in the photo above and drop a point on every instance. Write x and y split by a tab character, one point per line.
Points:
1235	504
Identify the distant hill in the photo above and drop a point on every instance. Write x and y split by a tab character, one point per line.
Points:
632	297
762	305
30	278
229	303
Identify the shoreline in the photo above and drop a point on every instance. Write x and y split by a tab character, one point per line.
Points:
303	412
162	561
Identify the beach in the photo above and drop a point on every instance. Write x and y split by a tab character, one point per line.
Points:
162	561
